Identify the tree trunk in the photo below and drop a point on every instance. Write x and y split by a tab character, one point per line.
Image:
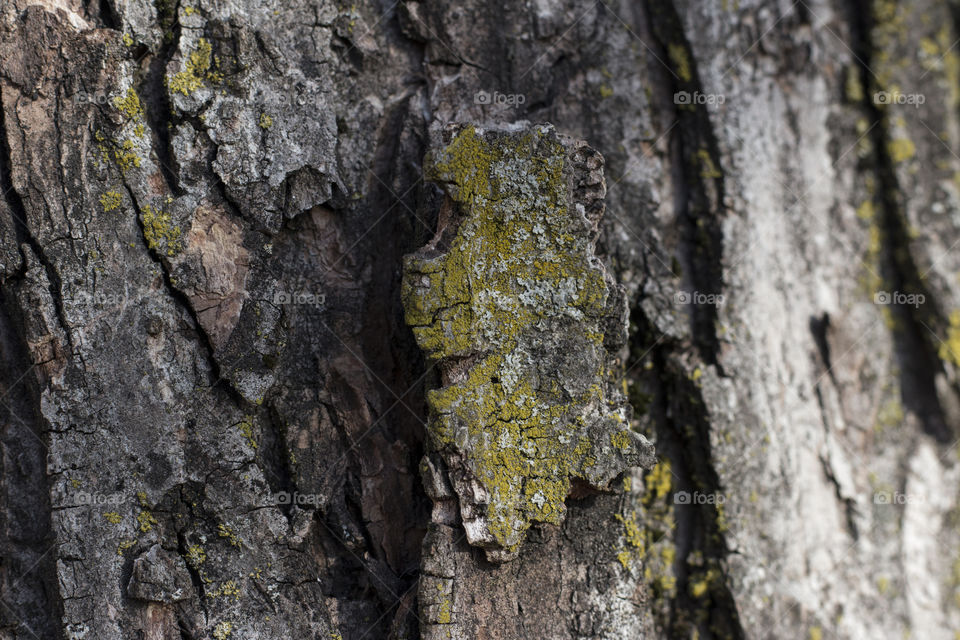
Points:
360	321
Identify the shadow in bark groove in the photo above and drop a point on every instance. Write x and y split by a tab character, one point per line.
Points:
673	400
682	432
28	583
915	348
698	189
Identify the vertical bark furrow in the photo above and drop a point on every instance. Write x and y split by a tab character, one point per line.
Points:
916	346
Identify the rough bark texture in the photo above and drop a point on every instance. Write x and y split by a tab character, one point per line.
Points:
232	408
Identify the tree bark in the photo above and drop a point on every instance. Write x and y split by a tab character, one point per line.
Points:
236	349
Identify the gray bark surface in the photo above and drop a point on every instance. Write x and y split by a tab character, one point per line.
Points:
220	395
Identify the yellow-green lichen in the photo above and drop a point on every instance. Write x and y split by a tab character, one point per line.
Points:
633	538
265	121
901	149
883	585
223	630
708	169
950	348
146	521
112	517
659	482
226	532
111	200
681	61
125	156
195	556
228	588
200	68
129	104
124	545
519	274
444	616
854	87
160	232
866	210
246	430
656	531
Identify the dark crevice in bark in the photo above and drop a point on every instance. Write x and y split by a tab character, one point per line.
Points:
680	423
698	181
28	584
157	108
101	13
953	6
915	349
220	381
272	453
108	15
386	345
167	12
356	574
183	548
819	327
682	433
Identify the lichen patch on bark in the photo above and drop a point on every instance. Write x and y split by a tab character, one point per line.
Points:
522	317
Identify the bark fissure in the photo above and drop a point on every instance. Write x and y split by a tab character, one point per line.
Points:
698	175
682	437
916	347
182	301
